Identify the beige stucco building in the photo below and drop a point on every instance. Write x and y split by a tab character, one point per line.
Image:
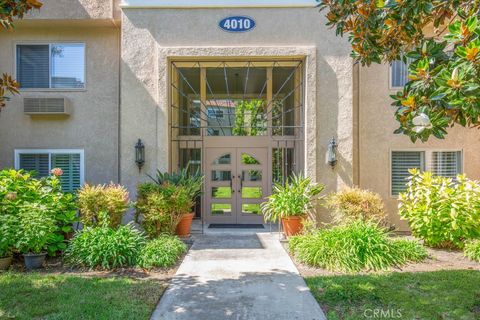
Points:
246	90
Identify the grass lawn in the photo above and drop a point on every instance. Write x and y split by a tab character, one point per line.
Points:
49	296
453	294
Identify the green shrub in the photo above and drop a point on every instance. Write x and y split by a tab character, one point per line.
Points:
160	207
8	234
19	189
161	252
297	197
357	246
102	204
472	250
353	204
442	212
105	248
35	228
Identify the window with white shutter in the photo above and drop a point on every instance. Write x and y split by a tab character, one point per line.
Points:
42	161
50	66
402	161
440	163
446	163
398	74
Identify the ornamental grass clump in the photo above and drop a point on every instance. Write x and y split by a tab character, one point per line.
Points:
354	247
472	250
353	204
442	211
161	252
105	248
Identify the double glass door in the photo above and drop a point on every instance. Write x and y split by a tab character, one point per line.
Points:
236	184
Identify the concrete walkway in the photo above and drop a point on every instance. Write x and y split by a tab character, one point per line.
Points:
239	277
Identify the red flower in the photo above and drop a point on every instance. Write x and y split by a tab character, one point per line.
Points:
57	172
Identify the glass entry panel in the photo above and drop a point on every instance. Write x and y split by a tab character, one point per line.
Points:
235	188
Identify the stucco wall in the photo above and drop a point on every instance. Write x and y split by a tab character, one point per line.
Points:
377	123
148	35
92	126
76	9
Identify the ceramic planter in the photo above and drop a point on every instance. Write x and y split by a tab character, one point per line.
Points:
5	262
183	227
34	261
292	225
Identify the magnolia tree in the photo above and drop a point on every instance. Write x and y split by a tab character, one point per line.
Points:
10	10
440	39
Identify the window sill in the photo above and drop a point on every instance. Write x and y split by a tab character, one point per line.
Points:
52	90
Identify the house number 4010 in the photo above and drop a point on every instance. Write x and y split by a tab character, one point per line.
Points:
237	24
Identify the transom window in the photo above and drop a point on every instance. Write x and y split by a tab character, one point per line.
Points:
232	98
51	66
41	162
440	163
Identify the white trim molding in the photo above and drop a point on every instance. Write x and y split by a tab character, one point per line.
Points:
218	3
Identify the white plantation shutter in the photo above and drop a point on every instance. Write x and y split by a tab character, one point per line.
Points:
70	164
402	161
35	162
33	69
43	161
446	163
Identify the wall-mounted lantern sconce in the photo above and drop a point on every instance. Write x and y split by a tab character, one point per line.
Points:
332	153
140	154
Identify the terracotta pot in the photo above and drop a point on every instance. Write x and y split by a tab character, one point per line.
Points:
34	261
183	227
5	263
292	225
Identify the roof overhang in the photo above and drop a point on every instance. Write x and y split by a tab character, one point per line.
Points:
218	3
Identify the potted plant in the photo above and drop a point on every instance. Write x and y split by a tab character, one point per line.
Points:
192	183
162	207
8	232
36	228
292	202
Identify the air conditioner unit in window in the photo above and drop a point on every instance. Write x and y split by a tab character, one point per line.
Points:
46	106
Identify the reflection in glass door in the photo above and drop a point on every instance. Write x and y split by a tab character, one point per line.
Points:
236	184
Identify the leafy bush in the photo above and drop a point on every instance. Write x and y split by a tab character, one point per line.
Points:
442	212
36	228
472	250
19	189
160	207
105	248
353	204
8	234
296	198
161	252
357	246
102	204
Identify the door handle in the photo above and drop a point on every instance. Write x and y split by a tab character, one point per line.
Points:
241	182
231	184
